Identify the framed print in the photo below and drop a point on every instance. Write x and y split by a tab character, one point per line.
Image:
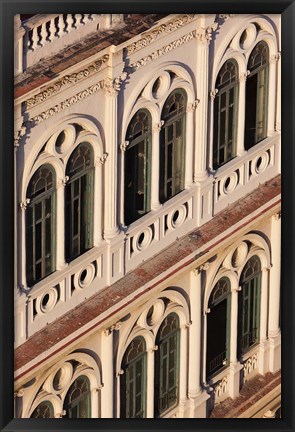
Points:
147	216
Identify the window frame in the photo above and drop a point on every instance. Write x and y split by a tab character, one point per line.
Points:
257	71
68	406
132	212
160	391
38	407
255	305
85	197
39	199
212	303
177	161
225	90
127	402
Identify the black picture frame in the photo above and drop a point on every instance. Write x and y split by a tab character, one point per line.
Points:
7	239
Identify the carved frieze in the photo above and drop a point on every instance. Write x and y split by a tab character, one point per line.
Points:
164	28
67	79
162	51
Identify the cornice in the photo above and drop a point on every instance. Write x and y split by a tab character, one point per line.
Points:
148	38
67	80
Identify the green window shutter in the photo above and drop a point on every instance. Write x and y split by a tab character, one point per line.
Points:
167	365
138	167
218	327
78	400
172	145
40	225
225	114
133	381
249	305
79	199
257	95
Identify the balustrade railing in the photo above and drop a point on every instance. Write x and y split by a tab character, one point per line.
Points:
109	262
47	34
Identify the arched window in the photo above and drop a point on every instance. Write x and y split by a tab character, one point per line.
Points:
218	327
79	202
43	410
167	365
249	305
77	401
137	199
172	145
256	95
133	380
40	225
225	114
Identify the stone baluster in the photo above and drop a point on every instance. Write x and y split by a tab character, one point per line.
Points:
43	34
61	26
35	39
52	30
70	22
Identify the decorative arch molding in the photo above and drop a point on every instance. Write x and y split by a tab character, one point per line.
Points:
232	39
233	260
142	92
146	323
46	150
56	381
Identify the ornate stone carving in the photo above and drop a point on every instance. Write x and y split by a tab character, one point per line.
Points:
204	35
158	126
103	158
213	93
250	364
124	146
68	102
61	182
192	106
67	79
278	215
23	205
225	17
275	58
162	51
221	387
164	28
112	85
18	134
114	327
244	75
19	393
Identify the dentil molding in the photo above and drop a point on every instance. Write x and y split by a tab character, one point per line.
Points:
164	28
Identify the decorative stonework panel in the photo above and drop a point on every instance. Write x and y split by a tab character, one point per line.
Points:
250	365
164	28
221	387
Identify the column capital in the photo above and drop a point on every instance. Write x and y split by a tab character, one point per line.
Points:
158	126
112	86
278	215
102	159
275	57
124	146
244	75
23	204
19	393
61	182
18	134
192	106
112	328
213	93
204	35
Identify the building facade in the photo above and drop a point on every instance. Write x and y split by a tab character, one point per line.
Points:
147	165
